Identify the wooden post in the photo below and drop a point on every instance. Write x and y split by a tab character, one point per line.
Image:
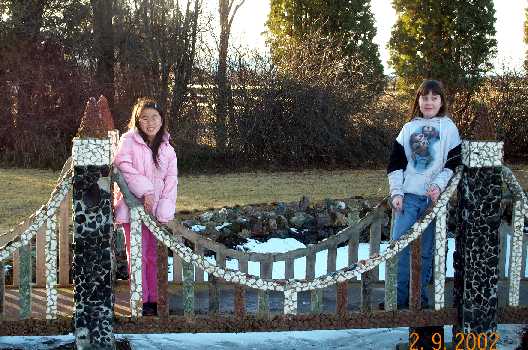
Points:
263	296
188	289
177	264
2	289
289	268
315	295
16	269
64	242
331	258
366	292
240	291
214	293
374	244
353	246
163	283
342	298
391	273
415	299
40	266
310	266
25	281
176	268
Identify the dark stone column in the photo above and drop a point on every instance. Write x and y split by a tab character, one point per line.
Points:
93	235
477	243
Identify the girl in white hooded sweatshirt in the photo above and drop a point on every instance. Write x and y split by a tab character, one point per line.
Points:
423	159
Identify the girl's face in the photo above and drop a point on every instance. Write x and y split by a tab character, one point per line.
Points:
150	122
430	104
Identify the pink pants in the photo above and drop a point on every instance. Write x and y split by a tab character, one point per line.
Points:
149	271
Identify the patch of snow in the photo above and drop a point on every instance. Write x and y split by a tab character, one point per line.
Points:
278	245
198	228
225	224
368	339
273	245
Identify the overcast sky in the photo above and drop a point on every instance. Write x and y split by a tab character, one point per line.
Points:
250	23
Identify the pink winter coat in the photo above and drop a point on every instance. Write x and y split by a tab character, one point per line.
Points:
134	160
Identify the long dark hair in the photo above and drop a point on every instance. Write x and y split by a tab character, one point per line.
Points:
142	103
427	86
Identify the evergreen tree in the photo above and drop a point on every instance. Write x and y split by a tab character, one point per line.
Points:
443	39
349	22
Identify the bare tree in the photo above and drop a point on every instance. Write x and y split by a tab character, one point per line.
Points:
156	42
185	52
27	17
104	46
227	10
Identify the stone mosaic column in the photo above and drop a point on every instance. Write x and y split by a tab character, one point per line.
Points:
477	243
517	264
51	266
290	301
93	233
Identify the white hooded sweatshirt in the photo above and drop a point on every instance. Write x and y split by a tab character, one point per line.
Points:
426	152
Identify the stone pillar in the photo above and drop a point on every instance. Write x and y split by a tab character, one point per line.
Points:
476	257
93	232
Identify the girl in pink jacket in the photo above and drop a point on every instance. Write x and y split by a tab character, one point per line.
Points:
148	164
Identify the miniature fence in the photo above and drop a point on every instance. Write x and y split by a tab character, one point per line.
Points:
43	225
475	291
44	221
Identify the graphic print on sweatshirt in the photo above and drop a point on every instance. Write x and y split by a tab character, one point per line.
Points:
421	142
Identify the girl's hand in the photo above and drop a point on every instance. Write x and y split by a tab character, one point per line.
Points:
397	202
433	192
148	203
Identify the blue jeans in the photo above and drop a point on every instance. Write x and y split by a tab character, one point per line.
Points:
414	207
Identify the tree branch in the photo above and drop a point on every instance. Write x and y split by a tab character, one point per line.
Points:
234	13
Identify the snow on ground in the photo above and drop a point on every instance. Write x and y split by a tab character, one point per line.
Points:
278	245
198	228
367	339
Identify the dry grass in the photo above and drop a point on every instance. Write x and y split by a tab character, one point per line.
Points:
23	190
201	192
26	190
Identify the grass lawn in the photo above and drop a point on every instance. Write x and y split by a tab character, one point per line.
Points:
25	190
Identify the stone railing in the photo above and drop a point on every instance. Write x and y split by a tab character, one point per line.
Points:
518	248
173	239
90	176
16	244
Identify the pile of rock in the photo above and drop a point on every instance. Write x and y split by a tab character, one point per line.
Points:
307	222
